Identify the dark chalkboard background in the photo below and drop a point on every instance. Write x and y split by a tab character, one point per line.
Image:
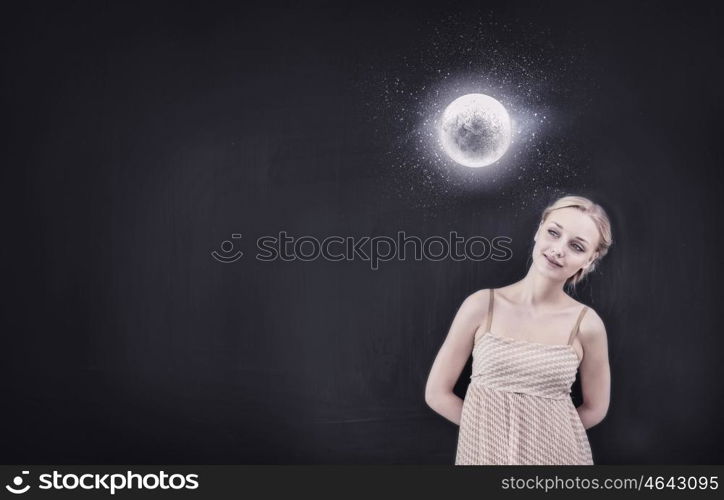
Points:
141	136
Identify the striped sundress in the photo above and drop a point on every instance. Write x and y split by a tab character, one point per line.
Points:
518	409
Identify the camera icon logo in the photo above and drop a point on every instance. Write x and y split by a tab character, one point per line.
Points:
17	487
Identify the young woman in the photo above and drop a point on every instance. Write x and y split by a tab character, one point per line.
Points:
528	339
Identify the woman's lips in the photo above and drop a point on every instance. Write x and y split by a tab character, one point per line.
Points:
552	262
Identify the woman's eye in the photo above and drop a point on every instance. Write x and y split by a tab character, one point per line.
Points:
577	247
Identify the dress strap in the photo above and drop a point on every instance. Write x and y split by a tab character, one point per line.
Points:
490	311
578	324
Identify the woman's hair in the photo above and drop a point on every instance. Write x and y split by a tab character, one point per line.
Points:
599	217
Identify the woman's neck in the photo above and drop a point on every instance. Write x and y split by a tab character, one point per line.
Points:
536	290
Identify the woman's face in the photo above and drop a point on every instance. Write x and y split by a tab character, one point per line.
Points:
565	243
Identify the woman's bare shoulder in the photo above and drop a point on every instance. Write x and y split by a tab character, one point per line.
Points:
592	325
477	302
577	304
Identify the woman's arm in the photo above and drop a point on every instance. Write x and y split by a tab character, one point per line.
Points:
453	356
594	370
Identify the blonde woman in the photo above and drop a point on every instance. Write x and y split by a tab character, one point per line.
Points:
528	340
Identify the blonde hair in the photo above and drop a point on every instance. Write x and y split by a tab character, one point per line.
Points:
599	217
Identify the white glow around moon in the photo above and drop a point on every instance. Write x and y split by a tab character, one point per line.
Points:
475	130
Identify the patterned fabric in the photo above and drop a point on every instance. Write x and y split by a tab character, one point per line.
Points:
518	409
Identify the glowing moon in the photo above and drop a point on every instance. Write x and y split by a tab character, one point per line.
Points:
475	130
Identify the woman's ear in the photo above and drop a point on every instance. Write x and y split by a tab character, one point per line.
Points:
593	258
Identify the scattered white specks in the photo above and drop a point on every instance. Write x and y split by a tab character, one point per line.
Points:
517	64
